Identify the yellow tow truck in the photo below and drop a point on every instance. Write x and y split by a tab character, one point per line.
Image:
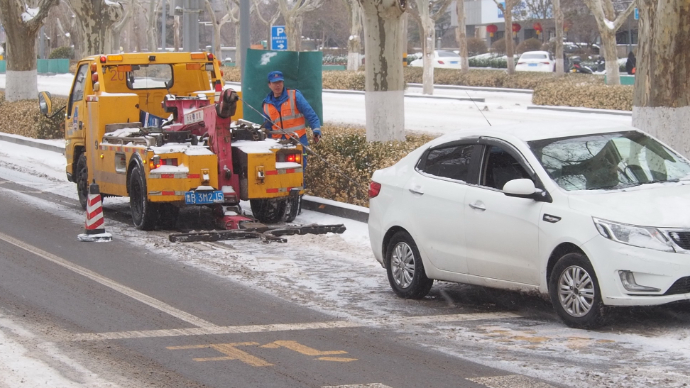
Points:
158	127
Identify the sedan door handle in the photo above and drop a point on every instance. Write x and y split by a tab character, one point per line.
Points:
416	190
478	206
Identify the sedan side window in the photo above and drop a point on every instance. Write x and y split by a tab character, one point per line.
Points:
449	162
500	167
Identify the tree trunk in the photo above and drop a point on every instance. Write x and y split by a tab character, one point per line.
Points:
661	103
558	16
608	45
95	18
354	43
176	32
508	15
384	71
21	72
461	35
152	26
293	31
428	46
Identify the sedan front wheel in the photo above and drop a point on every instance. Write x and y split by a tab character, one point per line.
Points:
574	291
406	273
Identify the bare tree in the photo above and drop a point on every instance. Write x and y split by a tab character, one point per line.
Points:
384	93
661	104
354	42
95	18
426	13
507	9
461	36
608	23
150	14
119	26
293	12
268	21
231	10
22	23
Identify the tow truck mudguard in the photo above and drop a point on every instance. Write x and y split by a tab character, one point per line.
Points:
265	233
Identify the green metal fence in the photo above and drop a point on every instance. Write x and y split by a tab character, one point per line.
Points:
45	66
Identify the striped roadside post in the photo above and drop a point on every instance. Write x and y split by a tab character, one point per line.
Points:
94	227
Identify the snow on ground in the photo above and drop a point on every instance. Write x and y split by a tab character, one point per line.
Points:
338	275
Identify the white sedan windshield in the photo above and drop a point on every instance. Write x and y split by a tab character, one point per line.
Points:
609	161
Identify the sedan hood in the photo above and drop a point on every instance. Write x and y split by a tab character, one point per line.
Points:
658	205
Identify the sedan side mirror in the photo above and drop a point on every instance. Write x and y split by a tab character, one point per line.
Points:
524	188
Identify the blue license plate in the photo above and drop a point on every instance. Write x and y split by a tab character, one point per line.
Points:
453	62
203	197
533	64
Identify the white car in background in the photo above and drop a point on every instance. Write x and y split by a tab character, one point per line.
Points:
536	61
442	60
590	214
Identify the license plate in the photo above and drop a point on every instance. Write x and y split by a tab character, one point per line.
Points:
203	197
533	64
453	62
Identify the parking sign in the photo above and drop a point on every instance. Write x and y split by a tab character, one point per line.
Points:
278	38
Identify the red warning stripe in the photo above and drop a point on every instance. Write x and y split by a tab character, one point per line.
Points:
272	172
272	190
190	176
93	200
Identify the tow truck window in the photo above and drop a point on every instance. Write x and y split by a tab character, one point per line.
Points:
150	77
78	88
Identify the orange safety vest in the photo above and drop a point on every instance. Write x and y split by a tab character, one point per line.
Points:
289	118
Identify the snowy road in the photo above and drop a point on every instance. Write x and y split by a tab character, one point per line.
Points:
338	276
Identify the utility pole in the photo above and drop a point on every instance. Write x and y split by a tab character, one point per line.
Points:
244	34
190	25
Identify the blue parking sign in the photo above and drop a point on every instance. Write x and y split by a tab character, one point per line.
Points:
278	38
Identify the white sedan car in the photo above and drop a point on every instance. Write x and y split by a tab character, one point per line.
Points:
536	61
442	60
589	214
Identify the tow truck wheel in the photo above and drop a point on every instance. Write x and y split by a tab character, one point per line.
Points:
144	213
268	211
82	181
291	208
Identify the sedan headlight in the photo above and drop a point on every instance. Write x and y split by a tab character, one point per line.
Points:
638	236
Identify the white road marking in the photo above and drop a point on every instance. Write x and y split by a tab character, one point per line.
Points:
397	321
510	381
136	295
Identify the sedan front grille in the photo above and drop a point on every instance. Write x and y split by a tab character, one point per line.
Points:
682	239
681	286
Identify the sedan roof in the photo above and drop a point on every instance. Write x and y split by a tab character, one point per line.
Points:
538	130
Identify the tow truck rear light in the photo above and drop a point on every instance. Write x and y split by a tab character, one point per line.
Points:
209	56
156	162
374	189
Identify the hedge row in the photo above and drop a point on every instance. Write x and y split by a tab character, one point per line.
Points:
587	96
24	118
346	161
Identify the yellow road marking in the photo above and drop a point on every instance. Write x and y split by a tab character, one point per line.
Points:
337	359
230	350
297	347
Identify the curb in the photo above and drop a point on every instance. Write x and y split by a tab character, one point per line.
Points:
414	95
30	143
581	110
477	88
335	208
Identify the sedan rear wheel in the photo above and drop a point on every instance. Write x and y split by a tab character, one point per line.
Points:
406	273
574	291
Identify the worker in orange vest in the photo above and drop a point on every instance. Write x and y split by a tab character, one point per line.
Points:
290	111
